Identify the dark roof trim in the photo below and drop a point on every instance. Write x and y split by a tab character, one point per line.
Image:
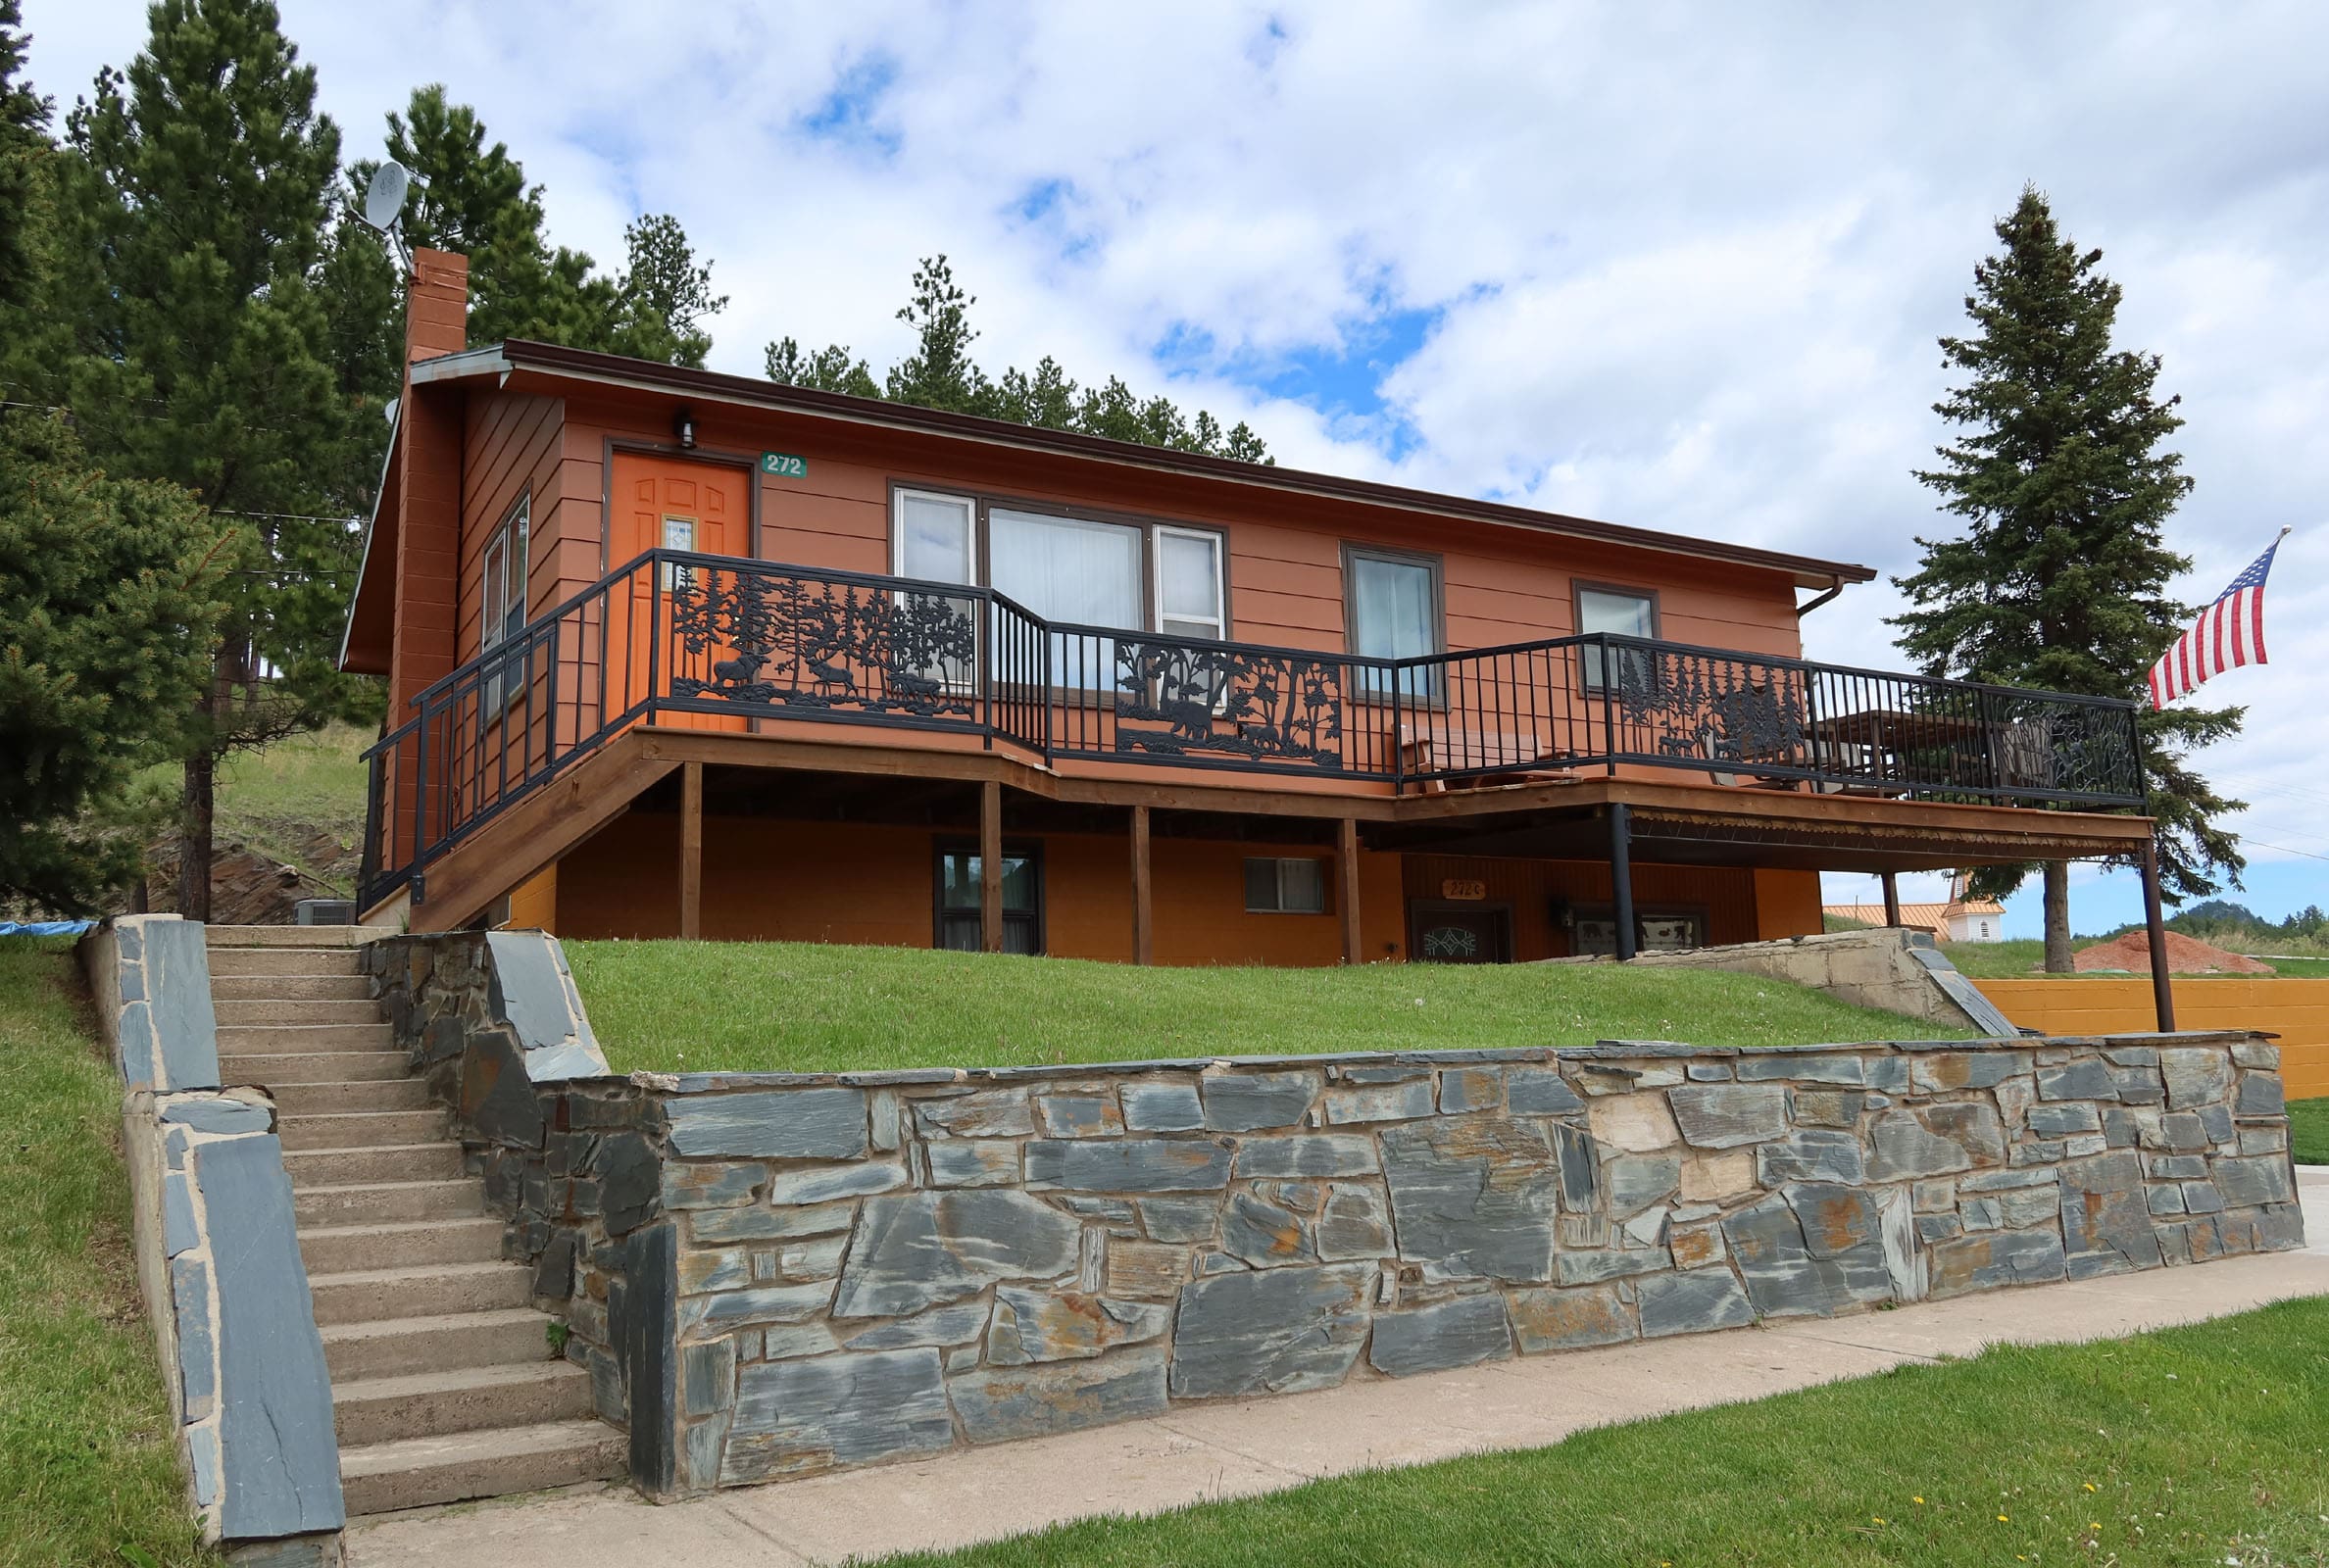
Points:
647	374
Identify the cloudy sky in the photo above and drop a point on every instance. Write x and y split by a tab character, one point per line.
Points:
1675	267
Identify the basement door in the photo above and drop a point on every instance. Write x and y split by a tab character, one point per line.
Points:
672	503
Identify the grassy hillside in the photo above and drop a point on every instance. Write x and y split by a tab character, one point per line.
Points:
86	1437
700	1007
2025	959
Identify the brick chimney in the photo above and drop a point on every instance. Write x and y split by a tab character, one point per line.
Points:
436	306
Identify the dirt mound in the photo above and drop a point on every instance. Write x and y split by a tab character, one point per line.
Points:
2185	955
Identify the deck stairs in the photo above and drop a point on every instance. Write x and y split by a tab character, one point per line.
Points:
443	1384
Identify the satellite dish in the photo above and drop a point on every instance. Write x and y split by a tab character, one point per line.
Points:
384	198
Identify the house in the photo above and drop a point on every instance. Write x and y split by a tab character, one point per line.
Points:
1963	919
674	653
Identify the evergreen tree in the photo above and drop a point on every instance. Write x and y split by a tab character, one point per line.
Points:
108	609
665	295
24	142
196	232
941	374
2061	577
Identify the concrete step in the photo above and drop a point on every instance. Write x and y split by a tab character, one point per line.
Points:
287	936
380	1162
405	1345
316	1067
407	1244
381	1477
281	1039
239	1014
391	1094
385	1202
362	1129
419	1289
244	988
429	1404
250	963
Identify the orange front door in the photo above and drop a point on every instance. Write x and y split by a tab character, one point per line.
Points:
676	504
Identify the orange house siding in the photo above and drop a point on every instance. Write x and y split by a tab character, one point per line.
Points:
773	880
2298	1011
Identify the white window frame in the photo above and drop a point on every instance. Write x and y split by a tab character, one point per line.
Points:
1215	541
511	541
1280	862
969	504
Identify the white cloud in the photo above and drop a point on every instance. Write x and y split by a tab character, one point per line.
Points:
1684	265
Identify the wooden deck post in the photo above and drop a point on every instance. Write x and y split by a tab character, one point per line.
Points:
1621	876
1347	891
2155	928
1144	938
1891	900
990	866
691	851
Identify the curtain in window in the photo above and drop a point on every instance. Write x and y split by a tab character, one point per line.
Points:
1189	584
1393	617
934	539
1068	570
1624	615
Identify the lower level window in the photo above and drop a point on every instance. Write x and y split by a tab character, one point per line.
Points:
959	928
1596	932
1290	886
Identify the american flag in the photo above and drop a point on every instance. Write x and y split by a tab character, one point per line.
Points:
2228	633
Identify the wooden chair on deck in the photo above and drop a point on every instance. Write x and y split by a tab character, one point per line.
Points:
1473	758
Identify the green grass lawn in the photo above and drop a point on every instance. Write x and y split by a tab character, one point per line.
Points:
2308	1131
2201	1445
88	1467
2024	958
279	798
701	1006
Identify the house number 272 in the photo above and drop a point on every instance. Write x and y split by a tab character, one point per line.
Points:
784	465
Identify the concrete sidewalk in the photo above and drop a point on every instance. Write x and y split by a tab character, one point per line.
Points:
1261	1446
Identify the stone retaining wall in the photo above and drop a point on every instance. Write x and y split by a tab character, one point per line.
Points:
776	1275
1892	969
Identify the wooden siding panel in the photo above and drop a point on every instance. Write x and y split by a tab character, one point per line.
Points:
2298	1011
1530	889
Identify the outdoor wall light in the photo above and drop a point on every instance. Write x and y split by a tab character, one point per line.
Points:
686	430
1562	915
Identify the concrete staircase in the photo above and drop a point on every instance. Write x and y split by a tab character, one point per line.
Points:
442	1380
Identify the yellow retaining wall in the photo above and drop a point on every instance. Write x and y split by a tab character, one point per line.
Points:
2297	1010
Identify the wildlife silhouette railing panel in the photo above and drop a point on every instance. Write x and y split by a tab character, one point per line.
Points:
723	644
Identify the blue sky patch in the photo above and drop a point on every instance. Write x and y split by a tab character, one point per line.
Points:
846	115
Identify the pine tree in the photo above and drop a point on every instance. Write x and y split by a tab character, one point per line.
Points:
665	295
941	374
2061	577
195	207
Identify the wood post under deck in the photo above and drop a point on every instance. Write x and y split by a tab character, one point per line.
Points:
990	866
691	851
1891	900
2155	929
1621	876
1143	903
1347	850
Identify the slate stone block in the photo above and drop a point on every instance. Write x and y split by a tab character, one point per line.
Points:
1812	1155
683	1184
178	998
973	1162
829	1184
788	1342
1306	1154
2260	1179
1693	1302
197	1342
1549	1318
1145	1270
1593	1265
800	1417
2261	1094
1934	1141
1726	1116
999	1405
714	1268
2061	1120
1128	1166
2201	1198
1269	1331
941	1325
1263	1235
179	1230
1637	1123
278	1459
1633	1182
1356	1224
1463	1332
1151	1108
769	1224
1476	1196
2216	1122
761	1304
1993	1259
2196	1075
1079	1115
769	1124
914	1250
1179	1220
219	1115
709	1376
1940	1071
1249	1102
1044	1325
1790	1273
2106	1226
1757	1066
2086	1079
2139	1085
1365	1102
2121	1129
496	1095
1462	1090
1539	1091
1580	1168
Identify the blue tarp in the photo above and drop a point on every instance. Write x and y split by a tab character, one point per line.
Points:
44	928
